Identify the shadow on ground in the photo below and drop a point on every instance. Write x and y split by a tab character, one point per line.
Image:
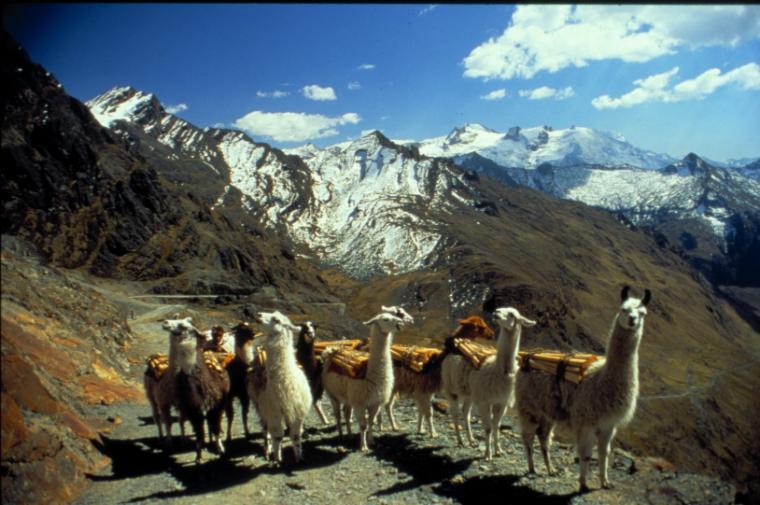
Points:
243	461
427	467
495	488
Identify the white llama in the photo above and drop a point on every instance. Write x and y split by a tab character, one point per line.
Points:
286	397
596	407
491	387
366	396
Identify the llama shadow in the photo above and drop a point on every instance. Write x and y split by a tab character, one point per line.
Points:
429	468
423	463
243	461
491	488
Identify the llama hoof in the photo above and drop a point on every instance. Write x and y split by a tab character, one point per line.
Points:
531	473
584	488
473	444
607	485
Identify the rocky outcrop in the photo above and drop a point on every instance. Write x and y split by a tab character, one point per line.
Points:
62	354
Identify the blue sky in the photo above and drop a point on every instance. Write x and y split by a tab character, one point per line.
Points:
672	79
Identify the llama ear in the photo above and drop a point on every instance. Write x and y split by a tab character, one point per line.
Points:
624	293
367	323
647	297
524	321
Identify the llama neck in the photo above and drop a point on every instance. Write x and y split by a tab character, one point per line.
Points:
188	355
379	352
622	359
173	354
506	346
281	359
305	353
244	352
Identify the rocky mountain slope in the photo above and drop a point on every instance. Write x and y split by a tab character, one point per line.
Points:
87	200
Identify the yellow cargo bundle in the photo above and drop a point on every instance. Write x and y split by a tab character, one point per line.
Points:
349	362
572	366
413	357
476	353
321	345
157	364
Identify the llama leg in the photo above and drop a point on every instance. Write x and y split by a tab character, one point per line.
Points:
421	410
156	417
545	434
484	411
584	443
277	432
181	424
429	410
200	436
467	411
336	413
347	414
373	410
230	411
497	413
389	408
245	405
166	418
604	440
320	413
295	430
215	427
528	426
454	406
362	414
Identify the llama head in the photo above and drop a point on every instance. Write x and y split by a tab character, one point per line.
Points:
244	336
177	326
387	322
276	323
307	332
633	311
509	317
399	312
473	327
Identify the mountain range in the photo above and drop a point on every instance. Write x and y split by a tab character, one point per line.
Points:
121	189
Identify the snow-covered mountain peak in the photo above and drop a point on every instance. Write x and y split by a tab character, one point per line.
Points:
530	147
125	103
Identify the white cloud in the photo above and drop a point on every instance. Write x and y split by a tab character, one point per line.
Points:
293	126
366	66
655	87
315	92
495	95
544	92
274	94
174	109
552	37
353	85
427	10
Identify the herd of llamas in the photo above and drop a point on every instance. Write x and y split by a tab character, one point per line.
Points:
284	379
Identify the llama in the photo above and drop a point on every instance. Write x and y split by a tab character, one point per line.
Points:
237	370
491	387
596	407
311	364
285	398
160	392
421	386
367	395
202	393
